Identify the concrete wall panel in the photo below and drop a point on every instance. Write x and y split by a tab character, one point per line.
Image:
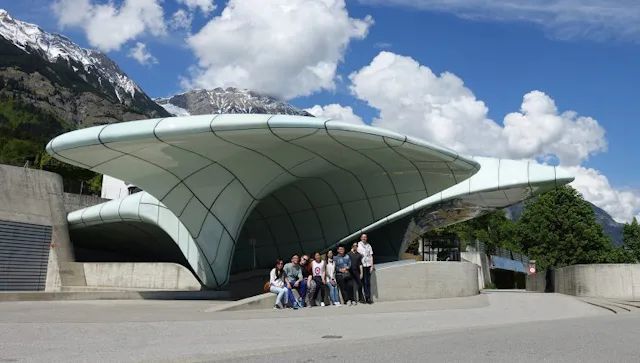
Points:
425	280
397	281
73	202
536	282
612	281
168	276
24	194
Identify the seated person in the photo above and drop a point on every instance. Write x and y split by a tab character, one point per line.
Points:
305	266
319	277
295	280
276	280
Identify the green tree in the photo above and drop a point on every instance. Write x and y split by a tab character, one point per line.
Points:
621	254
494	229
559	229
631	238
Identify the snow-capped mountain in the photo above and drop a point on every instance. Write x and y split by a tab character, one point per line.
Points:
95	69
226	100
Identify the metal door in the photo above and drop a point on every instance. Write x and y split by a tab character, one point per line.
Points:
24	254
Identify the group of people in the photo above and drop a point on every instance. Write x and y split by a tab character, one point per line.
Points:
345	274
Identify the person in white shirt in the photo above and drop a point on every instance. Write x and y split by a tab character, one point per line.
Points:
365	249
319	276
330	279
277	280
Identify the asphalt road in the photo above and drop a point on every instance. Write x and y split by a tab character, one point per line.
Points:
493	326
612	338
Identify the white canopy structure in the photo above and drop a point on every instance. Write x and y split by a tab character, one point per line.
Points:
220	186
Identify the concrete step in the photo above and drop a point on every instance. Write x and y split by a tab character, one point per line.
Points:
114	295
108	288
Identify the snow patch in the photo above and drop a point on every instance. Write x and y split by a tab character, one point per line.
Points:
55	46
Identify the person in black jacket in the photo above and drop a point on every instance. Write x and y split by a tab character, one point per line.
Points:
356	272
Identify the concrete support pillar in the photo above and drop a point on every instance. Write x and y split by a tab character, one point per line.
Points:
70	272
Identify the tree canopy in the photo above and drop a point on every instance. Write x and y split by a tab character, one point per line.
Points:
25	131
631	238
558	228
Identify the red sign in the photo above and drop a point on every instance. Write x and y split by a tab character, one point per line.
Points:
532	270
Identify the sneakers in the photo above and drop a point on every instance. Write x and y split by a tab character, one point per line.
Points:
322	303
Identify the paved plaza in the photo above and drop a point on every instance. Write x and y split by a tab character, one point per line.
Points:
492	326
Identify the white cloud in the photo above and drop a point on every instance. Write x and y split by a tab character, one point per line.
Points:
205	6
621	205
181	20
140	53
279	47
336	112
565	19
414	100
411	99
109	26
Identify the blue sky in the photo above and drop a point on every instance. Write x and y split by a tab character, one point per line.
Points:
498	56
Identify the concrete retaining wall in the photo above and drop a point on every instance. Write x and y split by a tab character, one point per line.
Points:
162	276
613	281
536	282
73	202
25	194
482	261
402	280
425	280
36	196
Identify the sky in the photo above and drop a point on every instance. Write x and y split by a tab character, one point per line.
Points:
551	81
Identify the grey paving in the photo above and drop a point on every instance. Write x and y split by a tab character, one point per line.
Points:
592	339
182	331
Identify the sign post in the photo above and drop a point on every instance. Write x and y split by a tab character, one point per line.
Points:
532	267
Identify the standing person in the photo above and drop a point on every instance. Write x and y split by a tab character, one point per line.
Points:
366	251
343	264
319	277
276	279
330	274
356	273
294	280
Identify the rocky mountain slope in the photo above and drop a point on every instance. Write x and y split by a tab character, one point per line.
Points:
81	87
611	228
226	100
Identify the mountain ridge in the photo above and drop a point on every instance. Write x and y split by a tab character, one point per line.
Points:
226	100
56	74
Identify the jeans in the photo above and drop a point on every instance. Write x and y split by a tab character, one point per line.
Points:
357	285
366	282
311	291
302	290
282	294
319	289
346	287
333	292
